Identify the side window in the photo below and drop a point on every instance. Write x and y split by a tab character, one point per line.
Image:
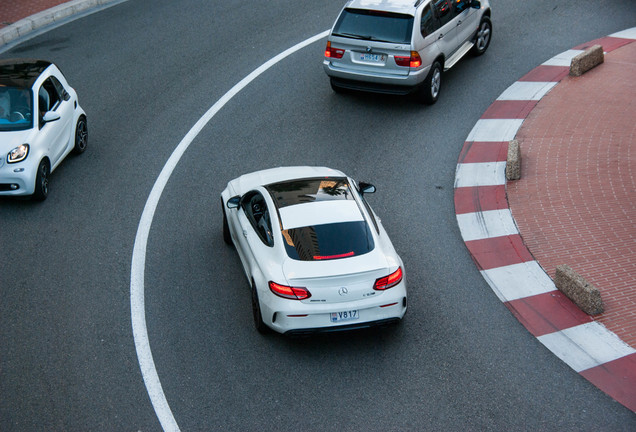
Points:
48	97
460	6
443	11
429	23
60	88
255	208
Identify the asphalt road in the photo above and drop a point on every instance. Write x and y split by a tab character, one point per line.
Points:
145	73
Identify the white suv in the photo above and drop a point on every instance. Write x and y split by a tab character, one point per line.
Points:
403	46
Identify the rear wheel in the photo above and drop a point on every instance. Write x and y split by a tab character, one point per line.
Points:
429	92
81	135
42	182
482	38
256	313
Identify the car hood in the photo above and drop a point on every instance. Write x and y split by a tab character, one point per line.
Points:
339	280
12	139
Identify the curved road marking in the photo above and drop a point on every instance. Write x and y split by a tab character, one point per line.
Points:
137	303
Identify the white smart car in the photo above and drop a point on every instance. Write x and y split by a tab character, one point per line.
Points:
315	255
41	122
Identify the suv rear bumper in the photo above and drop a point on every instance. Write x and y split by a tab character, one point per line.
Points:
376	83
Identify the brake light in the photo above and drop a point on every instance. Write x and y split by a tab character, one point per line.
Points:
329	257
292	293
413	61
388	281
336	53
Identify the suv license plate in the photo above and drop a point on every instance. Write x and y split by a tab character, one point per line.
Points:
344	316
372	58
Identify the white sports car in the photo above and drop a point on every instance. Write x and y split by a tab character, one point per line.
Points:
315	255
41	122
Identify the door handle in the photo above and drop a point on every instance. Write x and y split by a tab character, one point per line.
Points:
245	233
441	35
459	22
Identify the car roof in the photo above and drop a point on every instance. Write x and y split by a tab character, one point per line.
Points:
398	6
21	73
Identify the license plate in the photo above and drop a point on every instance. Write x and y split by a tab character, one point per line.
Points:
372	58
344	316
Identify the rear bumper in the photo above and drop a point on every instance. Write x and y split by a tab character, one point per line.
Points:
309	331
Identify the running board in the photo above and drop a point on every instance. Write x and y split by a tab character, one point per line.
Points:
458	55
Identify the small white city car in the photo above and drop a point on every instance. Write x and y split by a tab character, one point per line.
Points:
315	255
41	122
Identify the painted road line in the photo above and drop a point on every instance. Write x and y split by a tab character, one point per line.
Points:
526	90
515	281
494	130
480	174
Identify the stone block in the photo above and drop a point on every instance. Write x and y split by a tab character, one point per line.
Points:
513	162
588	59
585	295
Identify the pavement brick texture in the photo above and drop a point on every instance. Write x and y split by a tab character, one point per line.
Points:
12	11
575	203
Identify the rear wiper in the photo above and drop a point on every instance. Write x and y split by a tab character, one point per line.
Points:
357	36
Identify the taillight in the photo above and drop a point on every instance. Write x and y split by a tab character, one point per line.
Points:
333	52
389	281
413	61
292	293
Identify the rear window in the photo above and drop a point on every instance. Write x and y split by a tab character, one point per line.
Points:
374	25
329	241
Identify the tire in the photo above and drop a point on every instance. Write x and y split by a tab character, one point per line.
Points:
256	313
81	135
482	37
227	238
429	92
41	190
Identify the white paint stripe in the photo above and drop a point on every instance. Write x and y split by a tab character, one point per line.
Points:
137	303
586	346
491	223
480	174
563	59
526	90
516	281
625	34
494	130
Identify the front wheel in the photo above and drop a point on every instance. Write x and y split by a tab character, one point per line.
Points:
227	238
429	91
482	38
42	182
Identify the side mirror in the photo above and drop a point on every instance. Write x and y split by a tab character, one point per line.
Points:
366	188
50	116
475	4
234	202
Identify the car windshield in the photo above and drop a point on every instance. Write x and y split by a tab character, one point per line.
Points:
16	110
374	25
328	241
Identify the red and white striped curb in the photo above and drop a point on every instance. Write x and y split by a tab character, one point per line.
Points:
493	240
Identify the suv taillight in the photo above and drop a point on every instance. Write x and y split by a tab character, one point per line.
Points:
292	293
389	281
333	52
413	61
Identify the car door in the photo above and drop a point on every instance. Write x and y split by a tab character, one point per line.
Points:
467	20
447	34
255	233
56	134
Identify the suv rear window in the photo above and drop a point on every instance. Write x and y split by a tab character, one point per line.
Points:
374	25
329	241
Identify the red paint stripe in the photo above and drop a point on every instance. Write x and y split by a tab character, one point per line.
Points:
608	43
498	251
547	313
480	198
477	151
513	109
545	73
616	378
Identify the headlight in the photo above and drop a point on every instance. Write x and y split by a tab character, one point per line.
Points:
18	154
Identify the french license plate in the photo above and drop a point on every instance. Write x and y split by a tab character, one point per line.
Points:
344	316
372	58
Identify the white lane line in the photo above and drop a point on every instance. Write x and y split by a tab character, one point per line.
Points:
137	308
486	224
494	130
480	174
527	90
